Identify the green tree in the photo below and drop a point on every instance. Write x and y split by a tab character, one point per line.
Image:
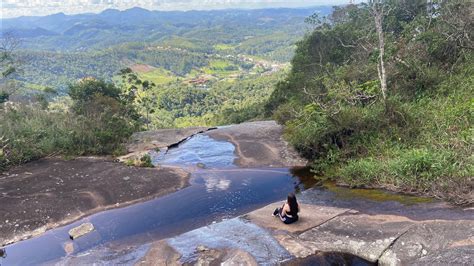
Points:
140	92
8	44
106	118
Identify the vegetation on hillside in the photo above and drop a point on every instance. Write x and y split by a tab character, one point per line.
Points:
182	105
66	48
197	71
99	121
380	95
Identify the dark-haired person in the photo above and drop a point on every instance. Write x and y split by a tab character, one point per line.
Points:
288	213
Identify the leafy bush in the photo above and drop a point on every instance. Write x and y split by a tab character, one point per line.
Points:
145	161
99	125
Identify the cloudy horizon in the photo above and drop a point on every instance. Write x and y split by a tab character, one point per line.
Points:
17	8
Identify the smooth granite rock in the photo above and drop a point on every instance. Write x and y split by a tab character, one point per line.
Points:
365	236
310	216
259	144
81	230
433	243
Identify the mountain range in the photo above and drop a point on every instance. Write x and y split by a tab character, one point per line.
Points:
85	31
58	49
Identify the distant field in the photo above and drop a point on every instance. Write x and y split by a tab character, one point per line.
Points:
223	47
222	68
142	68
158	76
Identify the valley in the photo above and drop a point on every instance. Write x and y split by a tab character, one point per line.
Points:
196	54
145	137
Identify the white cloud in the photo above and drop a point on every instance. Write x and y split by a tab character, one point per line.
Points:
214	183
14	8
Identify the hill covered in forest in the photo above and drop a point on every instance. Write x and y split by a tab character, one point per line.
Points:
57	49
81	84
381	95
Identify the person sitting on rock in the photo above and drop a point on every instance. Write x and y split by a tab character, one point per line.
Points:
288	213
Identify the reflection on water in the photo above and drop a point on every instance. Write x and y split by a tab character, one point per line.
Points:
214	182
378	195
213	195
308	180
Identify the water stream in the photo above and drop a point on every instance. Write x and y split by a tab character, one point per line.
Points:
218	191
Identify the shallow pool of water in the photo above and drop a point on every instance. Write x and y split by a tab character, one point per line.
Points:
213	195
377	195
220	191
200	149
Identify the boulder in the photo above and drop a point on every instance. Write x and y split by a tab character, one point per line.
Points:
81	230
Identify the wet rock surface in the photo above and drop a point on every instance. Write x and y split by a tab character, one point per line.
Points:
235	234
369	233
160	254
164	138
224	257
51	192
142	143
125	256
259	144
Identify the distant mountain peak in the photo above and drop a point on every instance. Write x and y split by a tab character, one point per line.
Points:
137	9
60	14
110	11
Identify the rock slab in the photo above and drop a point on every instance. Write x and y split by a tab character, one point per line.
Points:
81	230
310	216
433	243
53	192
259	144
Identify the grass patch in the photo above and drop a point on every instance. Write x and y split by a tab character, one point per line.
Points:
221	68
158	76
223	47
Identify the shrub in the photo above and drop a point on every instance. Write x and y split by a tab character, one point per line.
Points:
100	126
145	161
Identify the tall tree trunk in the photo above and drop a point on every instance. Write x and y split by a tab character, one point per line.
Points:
378	12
